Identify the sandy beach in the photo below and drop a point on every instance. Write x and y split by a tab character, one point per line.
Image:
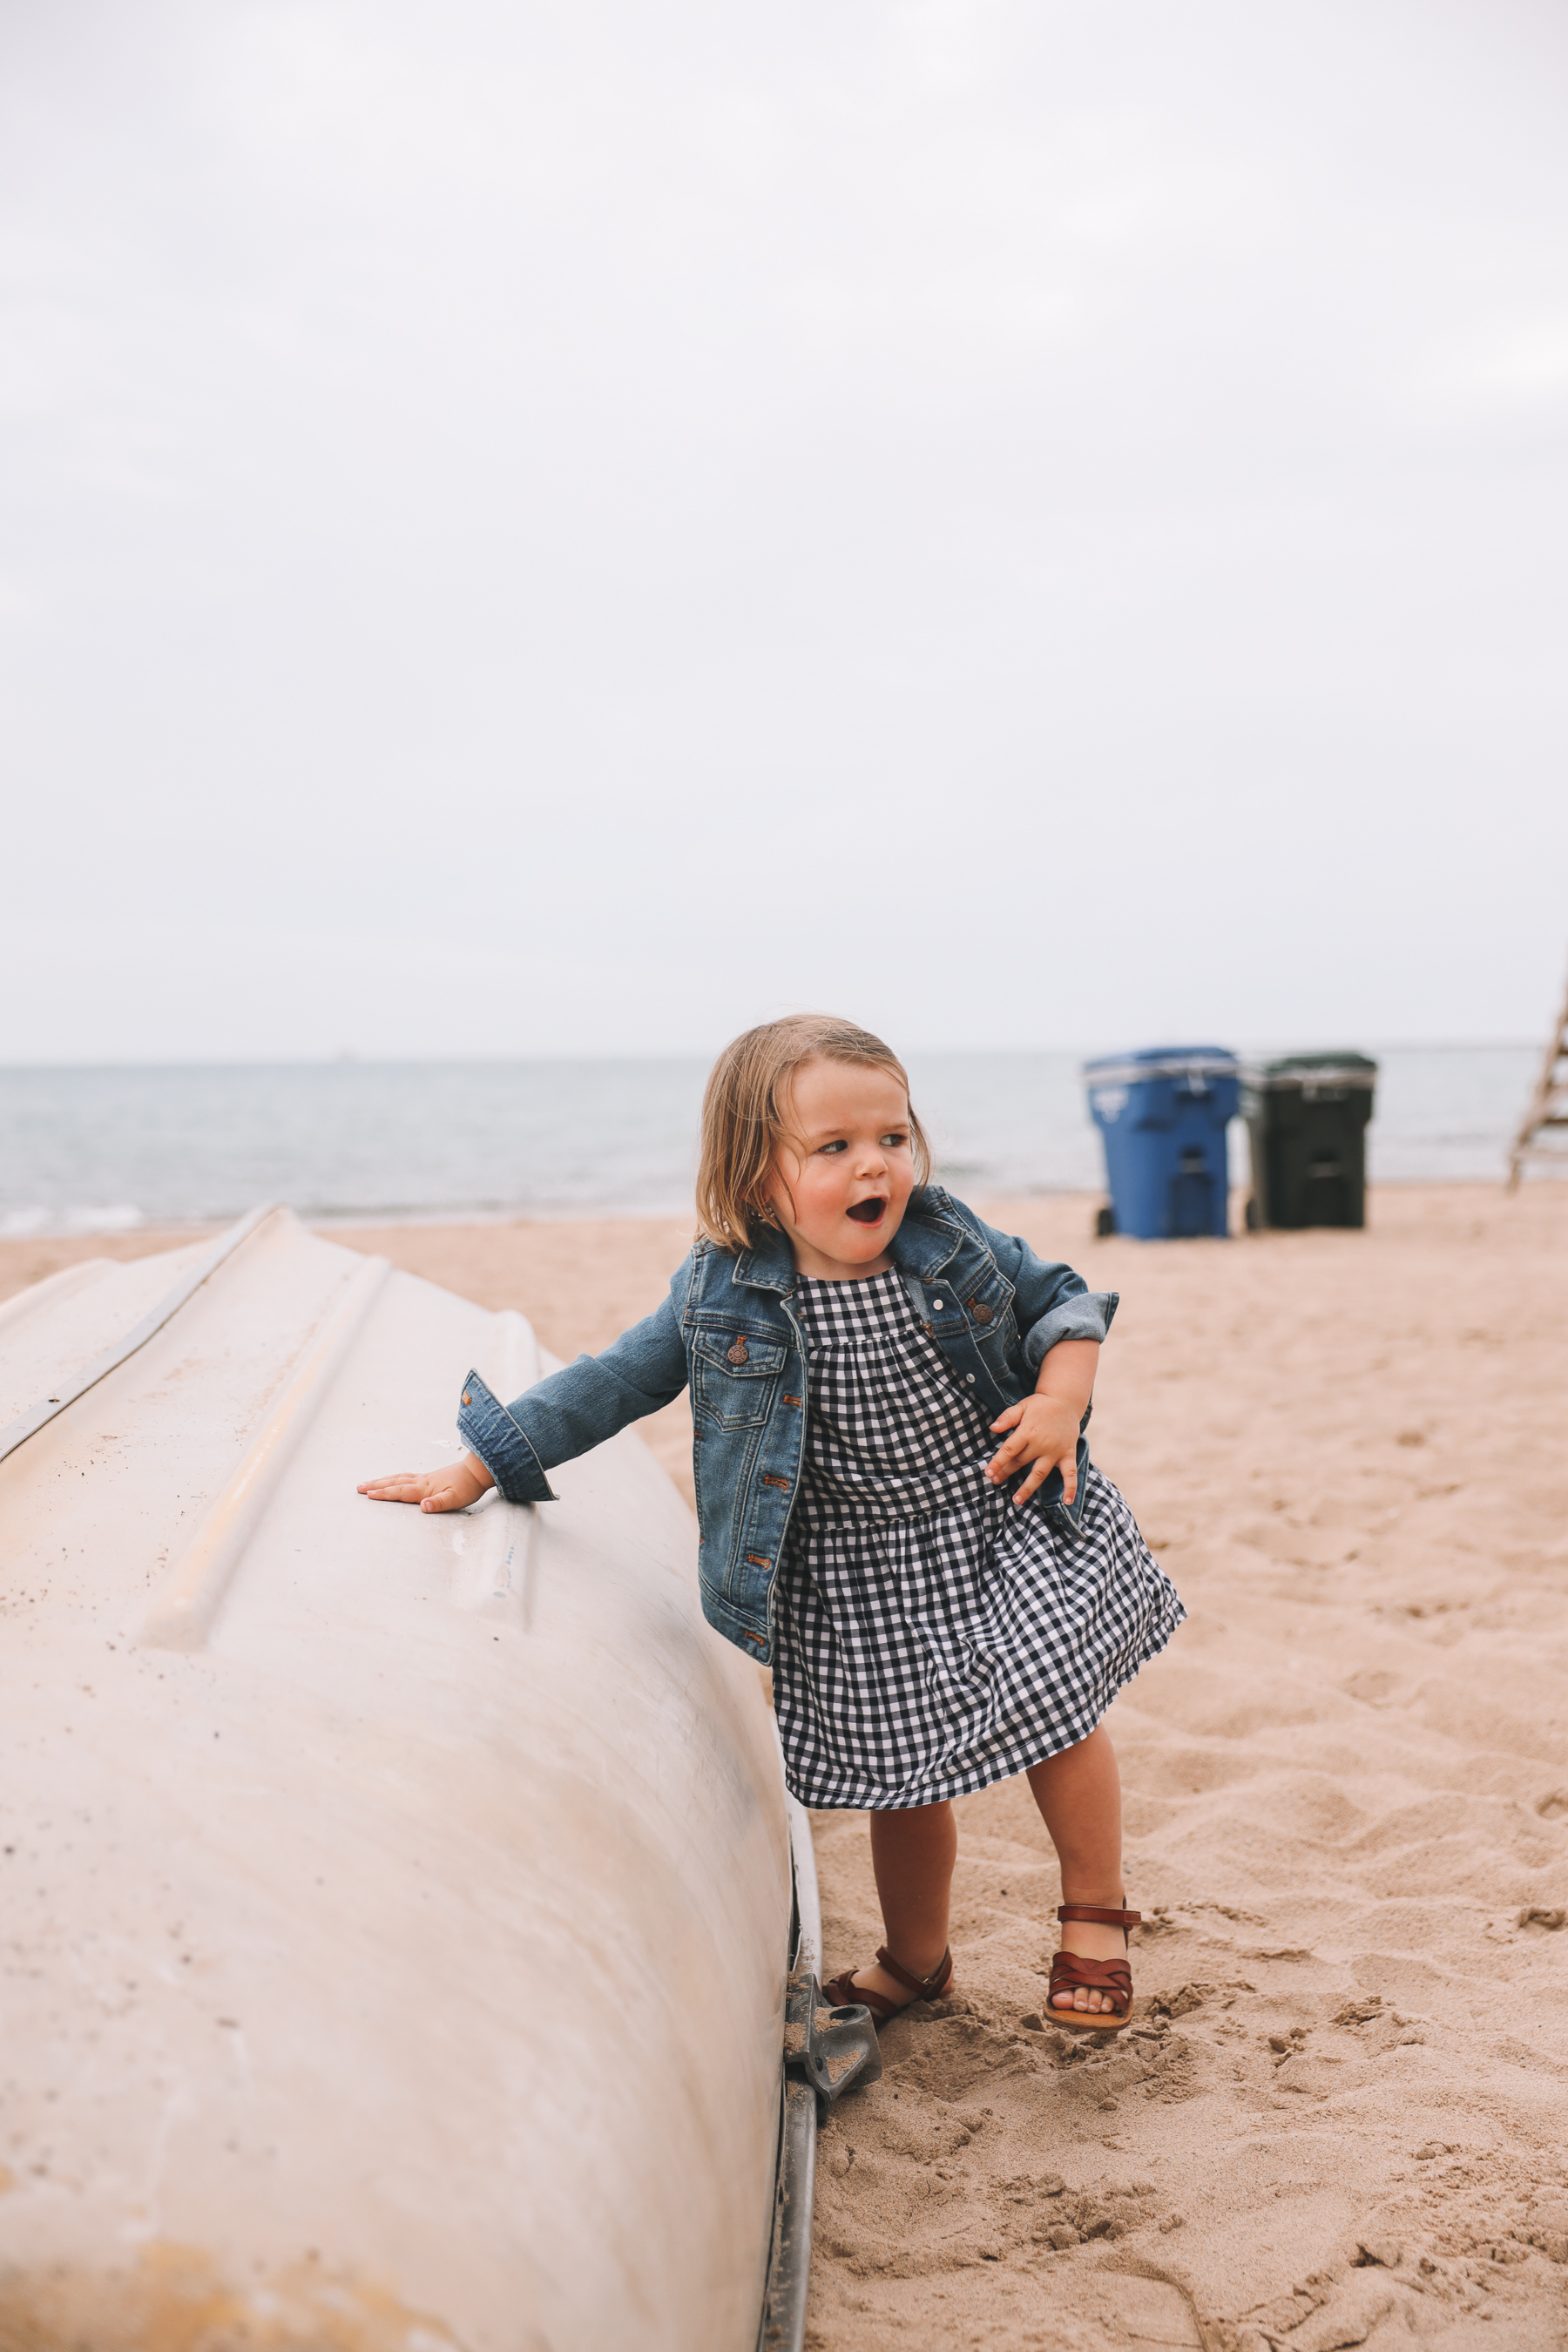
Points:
1339	2116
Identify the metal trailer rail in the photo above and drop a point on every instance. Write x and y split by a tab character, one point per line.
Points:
783	2327
821	2061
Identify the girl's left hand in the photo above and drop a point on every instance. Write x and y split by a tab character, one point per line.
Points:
1045	1433
451	1489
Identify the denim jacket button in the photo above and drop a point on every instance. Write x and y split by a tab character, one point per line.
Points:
982	1314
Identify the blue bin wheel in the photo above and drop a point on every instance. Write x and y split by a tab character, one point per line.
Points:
1104	1223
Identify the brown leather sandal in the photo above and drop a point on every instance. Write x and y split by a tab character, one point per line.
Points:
1072	1970
840	1991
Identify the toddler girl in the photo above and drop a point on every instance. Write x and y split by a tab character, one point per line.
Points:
940	1610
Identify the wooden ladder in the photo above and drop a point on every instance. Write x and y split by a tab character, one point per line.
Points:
1548	1107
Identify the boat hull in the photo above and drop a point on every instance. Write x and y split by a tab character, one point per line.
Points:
398	1905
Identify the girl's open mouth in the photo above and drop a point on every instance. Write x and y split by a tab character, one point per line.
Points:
868	1212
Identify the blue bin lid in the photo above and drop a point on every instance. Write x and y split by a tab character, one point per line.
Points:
1161	1061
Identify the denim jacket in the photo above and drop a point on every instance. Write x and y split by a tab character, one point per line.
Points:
729	1330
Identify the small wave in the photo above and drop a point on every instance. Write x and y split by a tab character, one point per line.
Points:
30	1224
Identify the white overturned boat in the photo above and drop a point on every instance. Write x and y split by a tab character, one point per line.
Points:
397	1908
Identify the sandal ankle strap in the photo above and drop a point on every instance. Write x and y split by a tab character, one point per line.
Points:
922	1987
1092	1919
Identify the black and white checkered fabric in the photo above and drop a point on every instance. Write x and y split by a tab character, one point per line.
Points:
931	1638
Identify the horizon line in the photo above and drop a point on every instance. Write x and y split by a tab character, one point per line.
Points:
347	1058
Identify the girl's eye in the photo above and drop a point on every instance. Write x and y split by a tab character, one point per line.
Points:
894	1142
835	1146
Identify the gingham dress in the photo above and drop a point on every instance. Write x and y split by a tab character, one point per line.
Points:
932	1638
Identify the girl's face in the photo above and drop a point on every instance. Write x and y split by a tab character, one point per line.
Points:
841	1191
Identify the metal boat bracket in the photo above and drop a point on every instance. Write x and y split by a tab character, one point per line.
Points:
834	2050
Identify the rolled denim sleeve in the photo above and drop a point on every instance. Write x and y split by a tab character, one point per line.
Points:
488	1430
1087	1317
578	1407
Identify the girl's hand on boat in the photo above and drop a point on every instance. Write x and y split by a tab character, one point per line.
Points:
452	1489
1044	1433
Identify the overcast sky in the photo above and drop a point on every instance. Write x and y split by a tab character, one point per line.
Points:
571	529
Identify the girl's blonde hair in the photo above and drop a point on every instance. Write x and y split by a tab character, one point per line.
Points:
745	1118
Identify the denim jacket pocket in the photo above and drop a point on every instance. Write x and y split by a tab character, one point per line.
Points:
1001	1342
988	1299
733	1377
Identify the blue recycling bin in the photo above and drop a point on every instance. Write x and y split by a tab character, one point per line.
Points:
1163	1114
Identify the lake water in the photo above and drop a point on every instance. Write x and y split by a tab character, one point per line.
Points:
85	1150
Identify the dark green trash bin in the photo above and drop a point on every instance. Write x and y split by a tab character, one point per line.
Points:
1306	1119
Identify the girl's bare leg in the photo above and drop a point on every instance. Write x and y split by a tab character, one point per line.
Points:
912	1853
1078	1793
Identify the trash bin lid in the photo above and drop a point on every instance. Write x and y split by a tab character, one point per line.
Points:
1346	1069
1161	1061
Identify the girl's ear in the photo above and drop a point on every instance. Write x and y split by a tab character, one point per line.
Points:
764	1206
